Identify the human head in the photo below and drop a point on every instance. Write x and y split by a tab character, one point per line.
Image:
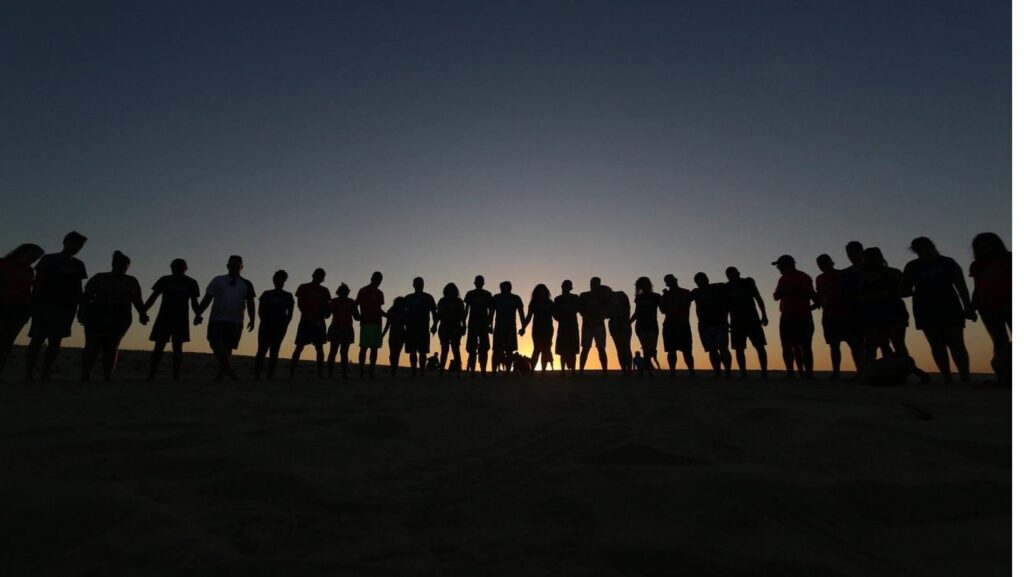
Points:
417	284
451	291
478	282
923	247
376	278
398	302
235	265
701	280
73	242
279	278
732	273
671	281
873	258
988	245
505	286
119	262
541	292
566	286
595	283
855	252
179	266
825	263
343	290
319	275
643	285
27	253
785	263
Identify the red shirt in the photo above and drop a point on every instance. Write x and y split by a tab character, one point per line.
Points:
830	295
993	283
675	304
342	311
794	293
313	300
371	305
15	283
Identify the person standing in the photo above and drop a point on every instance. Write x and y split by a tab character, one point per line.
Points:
395	330
941	304
620	328
276	309
885	313
837	319
567	310
177	292
645	315
106	313
371	314
795	293
450	325
55	297
313	300
992	271
478	324
341	334
712	306
594	310
420	309
505	306
851	279
541	312
744	302
676	332
232	298
16	278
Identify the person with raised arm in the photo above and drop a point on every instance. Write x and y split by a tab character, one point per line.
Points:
106	314
232	297
313	300
277	306
541	312
371	314
567	343
56	293
178	294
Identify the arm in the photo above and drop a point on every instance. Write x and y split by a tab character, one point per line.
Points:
152	299
760	304
526	321
965	295
250	307
387	325
140	306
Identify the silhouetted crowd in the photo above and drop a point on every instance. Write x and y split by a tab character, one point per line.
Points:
862	305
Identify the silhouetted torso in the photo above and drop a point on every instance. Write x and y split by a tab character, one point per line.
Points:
880	298
108	302
594	307
935	300
59	280
618	314
342	312
479	302
647	305
313	301
543	319
993	283
15	290
795	290
505	307
176	291
371	305
229	296
675	304
275	305
418	308
740	301
712	304
450	312
396	320
830	294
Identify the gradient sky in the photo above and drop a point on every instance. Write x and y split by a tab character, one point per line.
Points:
527	141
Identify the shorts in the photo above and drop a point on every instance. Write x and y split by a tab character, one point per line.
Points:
594	334
224	333
371	336
52	322
506	340
15	314
175	330
311	332
478	339
837	329
648	341
796	331
341	335
270	335
677	337
451	335
752	331
417	340
714	337
568	340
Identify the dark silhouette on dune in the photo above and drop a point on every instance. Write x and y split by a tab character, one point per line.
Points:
992	271
178	293
747	319
541	312
56	294
313	300
885	314
232	297
645	316
341	333
450	325
838	316
479	311
277	306
420	310
16	278
504	307
712	303
620	327
594	311
371	313
567	343
795	293
394	328
106	314
676	333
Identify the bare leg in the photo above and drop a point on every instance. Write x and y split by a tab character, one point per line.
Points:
584	353
671	363
177	355
32	357
90	353
837	357
741	362
958	351
332	353
295	360
52	350
602	355
154	358
940	354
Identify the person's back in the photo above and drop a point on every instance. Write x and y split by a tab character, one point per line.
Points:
932	283
594	307
567	309
711	303
418	308
313	300
229	295
396	323
740	300
795	292
16	281
478	301
59	279
371	305
275	308
619	311
109	297
505	307
176	291
829	286
647	305
543	316
675	304
450	312
342	312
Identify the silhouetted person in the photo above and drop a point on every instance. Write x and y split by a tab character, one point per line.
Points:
420	310
450	325
745	324
232	297
941	303
541	313
621	329
371	313
178	294
395	330
504	307
478	324
16	278
885	314
277	306
341	333
712	303
645	315
106	314
55	297
992	271
594	311
838	321
851	279
313	300
676	332
567	343
795	293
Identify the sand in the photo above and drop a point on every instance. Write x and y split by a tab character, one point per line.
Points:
501	476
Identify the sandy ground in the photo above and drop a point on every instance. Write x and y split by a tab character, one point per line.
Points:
506	476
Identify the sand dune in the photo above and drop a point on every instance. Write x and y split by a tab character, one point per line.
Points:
541	476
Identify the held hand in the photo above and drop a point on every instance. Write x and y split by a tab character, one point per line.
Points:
522	332
252	325
764	322
971	315
198	321
433	330
144	319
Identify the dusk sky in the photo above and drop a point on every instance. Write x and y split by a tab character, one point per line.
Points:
525	141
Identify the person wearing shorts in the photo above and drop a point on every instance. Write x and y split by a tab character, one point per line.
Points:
55	297
176	292
795	293
341	334
620	329
370	301
313	301
276	309
837	322
712	306
478	325
232	297
16	278
676	333
503	318
420	309
744	303
594	311
567	343
645	315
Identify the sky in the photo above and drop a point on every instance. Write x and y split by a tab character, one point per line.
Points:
530	141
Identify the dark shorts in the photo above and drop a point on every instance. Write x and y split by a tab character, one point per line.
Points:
170	329
478	340
568	340
15	315
837	329
542	340
506	340
648	341
594	334
677	337
714	337
224	333
751	331
796	331
50	322
270	335
311	332
340	335
417	340
450	335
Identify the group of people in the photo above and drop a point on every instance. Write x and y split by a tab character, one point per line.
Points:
862	305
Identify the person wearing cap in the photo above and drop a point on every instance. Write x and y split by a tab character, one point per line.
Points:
795	293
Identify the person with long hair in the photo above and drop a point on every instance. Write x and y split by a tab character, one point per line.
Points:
176	291
645	315
885	313
16	277
106	313
541	311
56	293
450	325
992	271
277	306
567	343
341	334
941	304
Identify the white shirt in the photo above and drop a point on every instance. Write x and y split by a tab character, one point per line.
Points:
229	296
